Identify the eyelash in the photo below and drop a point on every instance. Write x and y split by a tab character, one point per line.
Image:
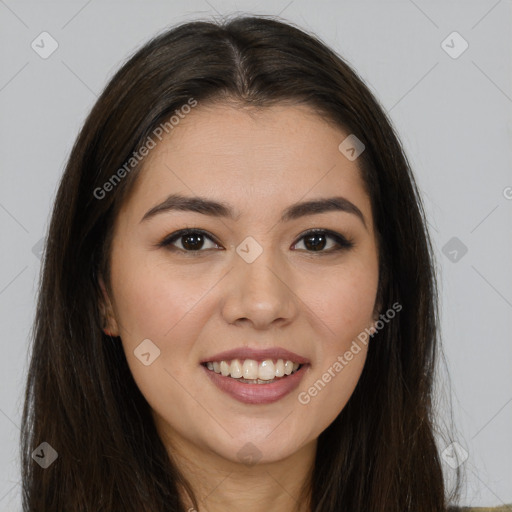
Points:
343	243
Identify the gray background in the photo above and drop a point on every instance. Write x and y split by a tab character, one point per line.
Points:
452	114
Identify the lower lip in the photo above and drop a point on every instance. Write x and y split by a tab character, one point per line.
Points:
257	393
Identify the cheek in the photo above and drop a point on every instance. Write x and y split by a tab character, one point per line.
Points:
341	306
350	306
151	301
328	389
167	305
342	299
155	304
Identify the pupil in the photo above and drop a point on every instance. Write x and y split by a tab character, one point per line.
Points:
315	245
197	241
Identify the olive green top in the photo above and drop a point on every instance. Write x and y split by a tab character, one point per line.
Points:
505	508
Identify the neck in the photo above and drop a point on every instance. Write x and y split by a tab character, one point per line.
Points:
221	484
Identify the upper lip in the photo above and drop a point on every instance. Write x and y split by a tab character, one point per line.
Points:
256	354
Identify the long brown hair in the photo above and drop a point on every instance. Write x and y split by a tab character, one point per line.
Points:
380	453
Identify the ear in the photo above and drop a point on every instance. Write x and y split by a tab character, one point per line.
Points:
109	323
375	317
377	309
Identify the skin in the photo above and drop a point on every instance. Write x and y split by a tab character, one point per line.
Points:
193	306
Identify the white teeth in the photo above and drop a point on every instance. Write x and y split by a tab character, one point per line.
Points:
266	370
236	369
224	368
288	367
280	368
250	369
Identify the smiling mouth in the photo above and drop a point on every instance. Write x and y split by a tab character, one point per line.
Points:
257	391
249	371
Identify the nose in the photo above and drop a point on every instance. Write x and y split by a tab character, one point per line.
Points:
260	293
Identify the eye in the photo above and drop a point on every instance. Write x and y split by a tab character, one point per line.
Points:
315	241
192	241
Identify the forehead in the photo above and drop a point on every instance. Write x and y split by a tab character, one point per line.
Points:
258	160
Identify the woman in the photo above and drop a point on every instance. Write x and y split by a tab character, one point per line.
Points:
238	306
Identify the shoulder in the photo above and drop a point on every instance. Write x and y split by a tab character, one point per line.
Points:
506	508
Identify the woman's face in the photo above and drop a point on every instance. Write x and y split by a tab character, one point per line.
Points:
251	280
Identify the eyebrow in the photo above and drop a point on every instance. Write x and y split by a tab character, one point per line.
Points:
178	202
